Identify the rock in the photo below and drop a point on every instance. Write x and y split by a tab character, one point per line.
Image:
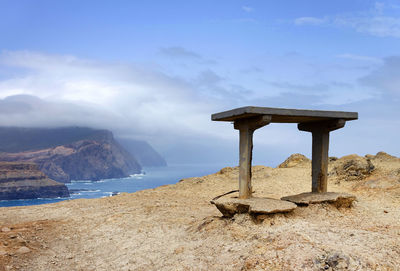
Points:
333	158
254	206
338	199
352	168
335	261
21	180
55	171
295	160
5	229
23	250
383	183
383	156
228	170
369	156
179	250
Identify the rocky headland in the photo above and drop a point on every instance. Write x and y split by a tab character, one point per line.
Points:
143	152
94	156
19	139
175	227
25	181
81	160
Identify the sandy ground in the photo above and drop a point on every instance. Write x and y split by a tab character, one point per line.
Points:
175	227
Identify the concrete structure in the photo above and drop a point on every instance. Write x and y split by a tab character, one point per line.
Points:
319	123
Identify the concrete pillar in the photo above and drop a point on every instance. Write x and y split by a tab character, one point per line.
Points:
246	129
320	148
245	158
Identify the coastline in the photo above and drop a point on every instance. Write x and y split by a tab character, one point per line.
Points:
153	177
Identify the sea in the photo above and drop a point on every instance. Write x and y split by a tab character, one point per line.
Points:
150	177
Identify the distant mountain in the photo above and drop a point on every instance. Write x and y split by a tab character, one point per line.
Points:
143	152
66	154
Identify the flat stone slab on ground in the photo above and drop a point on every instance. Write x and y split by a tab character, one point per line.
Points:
254	206
338	199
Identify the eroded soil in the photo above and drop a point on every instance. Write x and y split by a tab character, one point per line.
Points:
175	227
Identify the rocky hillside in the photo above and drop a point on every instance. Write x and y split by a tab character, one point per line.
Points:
26	181
81	160
175	227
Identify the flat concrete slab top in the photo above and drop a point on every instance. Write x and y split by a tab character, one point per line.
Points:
254	206
338	199
283	115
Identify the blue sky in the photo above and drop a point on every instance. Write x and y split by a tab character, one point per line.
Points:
157	70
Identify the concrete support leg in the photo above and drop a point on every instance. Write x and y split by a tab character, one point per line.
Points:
246	129
320	148
245	157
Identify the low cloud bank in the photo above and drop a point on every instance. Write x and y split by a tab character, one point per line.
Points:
173	113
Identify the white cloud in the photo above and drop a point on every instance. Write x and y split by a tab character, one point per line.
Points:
177	51
247	8
133	98
310	21
379	7
381	21
31	111
171	112
381	26
182	55
385	78
374	60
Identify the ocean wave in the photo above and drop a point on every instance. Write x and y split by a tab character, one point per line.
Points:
139	175
132	176
87	182
110	194
49	198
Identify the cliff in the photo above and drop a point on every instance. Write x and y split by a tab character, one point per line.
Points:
77	153
26	181
146	155
81	160
19	139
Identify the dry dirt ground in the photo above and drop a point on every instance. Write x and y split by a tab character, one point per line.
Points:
175	227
